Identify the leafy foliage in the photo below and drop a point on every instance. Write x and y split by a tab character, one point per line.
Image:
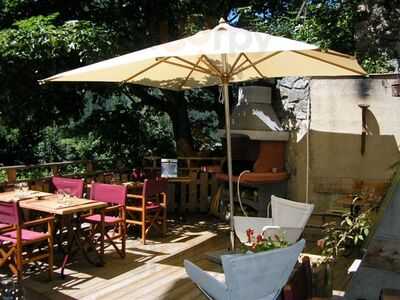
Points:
351	233
39	38
30	50
328	24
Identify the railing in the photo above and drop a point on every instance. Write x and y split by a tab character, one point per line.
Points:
191	195
185	163
39	175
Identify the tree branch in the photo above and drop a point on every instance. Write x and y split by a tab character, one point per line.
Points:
145	97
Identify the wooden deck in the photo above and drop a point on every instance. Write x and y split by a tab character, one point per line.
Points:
153	271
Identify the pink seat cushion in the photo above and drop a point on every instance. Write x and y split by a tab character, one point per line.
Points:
26	236
152	205
97	219
3	225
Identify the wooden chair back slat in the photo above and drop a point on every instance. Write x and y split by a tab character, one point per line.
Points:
73	186
109	193
153	187
9	213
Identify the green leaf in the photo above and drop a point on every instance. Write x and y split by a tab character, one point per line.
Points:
349	221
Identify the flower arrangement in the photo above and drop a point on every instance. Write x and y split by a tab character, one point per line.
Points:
258	242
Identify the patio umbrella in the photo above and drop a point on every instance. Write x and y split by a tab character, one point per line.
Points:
217	56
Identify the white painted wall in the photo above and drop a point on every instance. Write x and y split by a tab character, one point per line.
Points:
335	138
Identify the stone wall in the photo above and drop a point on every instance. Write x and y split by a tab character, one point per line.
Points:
294	94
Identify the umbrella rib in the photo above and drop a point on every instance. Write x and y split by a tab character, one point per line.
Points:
198	68
255	63
333	53
330	63
164	59
208	62
239	66
235	63
190	73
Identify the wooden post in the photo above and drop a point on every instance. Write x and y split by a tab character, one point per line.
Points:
193	200
89	166
204	204
11	175
54	170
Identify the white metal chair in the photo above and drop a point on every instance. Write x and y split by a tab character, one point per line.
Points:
289	217
258	276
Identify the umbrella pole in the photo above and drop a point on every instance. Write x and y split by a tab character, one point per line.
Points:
229	159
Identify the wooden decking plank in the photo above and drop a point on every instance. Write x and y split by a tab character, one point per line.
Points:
153	271
166	284
116	284
154	288
186	285
133	287
160	274
134	275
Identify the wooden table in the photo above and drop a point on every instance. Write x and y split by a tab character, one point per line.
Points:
18	196
77	240
48	203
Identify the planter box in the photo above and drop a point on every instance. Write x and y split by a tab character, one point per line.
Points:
299	286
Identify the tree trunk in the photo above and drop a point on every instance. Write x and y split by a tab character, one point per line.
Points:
178	112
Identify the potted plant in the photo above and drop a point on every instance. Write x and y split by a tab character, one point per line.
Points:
345	239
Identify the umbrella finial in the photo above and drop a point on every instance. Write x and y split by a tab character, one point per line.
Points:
221	21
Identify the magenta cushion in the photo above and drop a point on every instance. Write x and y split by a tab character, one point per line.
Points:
26	235
97	219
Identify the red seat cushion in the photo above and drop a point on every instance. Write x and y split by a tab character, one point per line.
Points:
26	236
152	205
97	219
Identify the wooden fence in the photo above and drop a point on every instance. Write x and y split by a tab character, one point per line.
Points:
198	185
193	194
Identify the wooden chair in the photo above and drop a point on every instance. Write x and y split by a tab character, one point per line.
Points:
103	222
72	186
15	237
149	209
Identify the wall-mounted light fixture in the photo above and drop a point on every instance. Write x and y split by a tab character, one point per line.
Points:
364	108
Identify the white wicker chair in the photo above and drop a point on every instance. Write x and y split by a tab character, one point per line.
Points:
259	276
289	217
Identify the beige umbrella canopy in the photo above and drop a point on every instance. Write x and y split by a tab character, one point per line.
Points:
196	61
218	56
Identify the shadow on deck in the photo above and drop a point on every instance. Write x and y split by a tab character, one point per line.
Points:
151	271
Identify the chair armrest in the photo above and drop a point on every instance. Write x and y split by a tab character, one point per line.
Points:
7	229
134	196
37	222
112	208
271	227
211	286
